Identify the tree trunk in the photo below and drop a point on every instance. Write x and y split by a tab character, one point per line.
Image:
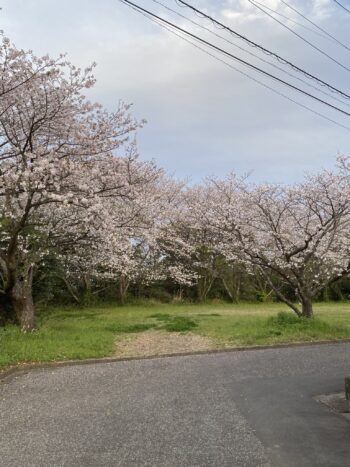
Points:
70	289
123	288
306	310
203	288
233	291
87	294
178	296
22	301
281	296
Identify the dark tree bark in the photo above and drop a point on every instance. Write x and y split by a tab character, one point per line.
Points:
306	308
22	301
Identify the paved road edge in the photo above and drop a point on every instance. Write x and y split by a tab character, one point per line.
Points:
23	368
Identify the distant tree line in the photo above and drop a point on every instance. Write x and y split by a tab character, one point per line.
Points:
231	285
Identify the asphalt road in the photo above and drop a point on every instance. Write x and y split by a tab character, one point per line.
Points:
252	408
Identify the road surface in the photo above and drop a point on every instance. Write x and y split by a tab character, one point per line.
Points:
249	408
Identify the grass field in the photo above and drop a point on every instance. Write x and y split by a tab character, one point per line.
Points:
73	333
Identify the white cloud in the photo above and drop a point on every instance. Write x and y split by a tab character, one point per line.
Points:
203	117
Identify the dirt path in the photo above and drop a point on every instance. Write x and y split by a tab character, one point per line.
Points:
161	342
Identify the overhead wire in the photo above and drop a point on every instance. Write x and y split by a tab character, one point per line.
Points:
341	5
315	47
282	70
170	28
278	57
313	23
278	13
238	59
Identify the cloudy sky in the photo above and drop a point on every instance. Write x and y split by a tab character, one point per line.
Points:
203	117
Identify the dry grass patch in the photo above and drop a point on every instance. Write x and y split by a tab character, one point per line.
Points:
161	342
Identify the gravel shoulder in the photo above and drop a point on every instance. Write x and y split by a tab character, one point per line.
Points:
153	342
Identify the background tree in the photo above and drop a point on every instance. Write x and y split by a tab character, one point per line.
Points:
298	234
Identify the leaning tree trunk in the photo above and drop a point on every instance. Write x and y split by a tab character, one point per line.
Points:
22	301
233	290
306	308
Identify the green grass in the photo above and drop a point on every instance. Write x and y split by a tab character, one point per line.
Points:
128	328
160	316
179	324
72	333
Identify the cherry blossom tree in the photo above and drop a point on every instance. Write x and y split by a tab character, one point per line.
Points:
72	187
299	234
127	249
60	172
139	256
176	243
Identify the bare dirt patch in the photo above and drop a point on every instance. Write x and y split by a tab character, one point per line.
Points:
161	342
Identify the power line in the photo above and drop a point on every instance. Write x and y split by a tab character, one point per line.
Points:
221	25
341	6
228	54
292	20
299	36
153	18
314	24
306	83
